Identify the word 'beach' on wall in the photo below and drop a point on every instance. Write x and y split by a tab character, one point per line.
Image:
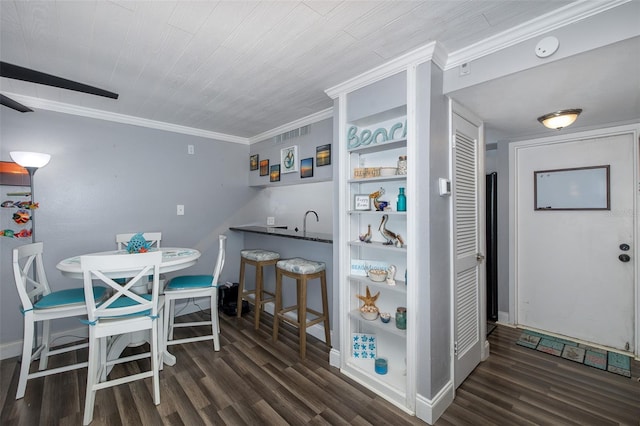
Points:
380	135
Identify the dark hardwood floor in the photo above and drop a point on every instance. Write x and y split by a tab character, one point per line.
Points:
253	381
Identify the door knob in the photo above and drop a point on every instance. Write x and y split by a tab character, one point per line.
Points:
624	258
624	247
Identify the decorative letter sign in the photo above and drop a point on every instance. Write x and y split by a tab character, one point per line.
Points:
380	135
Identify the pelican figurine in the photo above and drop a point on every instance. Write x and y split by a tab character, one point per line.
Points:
366	237
391	237
374	197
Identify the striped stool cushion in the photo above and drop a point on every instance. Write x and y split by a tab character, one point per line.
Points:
298	265
258	255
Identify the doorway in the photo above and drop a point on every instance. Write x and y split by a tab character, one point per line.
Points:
569	273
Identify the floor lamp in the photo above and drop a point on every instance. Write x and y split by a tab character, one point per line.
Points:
31	161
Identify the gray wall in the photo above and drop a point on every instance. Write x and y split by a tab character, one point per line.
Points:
320	133
434	280
106	178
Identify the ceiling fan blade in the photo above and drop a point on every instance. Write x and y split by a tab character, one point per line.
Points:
8	102
25	74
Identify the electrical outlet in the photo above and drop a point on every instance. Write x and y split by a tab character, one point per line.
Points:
191	149
271	221
180	210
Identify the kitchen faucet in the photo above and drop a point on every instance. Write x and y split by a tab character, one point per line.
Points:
304	222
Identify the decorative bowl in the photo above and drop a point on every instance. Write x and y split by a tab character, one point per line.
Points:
385	317
388	171
369	316
377	275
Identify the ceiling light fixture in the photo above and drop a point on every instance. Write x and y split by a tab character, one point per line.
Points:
560	119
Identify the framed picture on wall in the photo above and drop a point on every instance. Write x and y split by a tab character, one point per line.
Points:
264	167
306	167
289	159
323	155
253	162
274	175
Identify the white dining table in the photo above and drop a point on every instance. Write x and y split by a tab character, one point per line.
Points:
173	259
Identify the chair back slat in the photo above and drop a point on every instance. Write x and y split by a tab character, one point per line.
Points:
26	258
222	240
153	238
123	301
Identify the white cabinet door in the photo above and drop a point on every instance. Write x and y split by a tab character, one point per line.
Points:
468	275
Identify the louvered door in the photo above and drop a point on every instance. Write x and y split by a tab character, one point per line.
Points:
468	256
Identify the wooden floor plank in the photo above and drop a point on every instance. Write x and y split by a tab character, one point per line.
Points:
255	381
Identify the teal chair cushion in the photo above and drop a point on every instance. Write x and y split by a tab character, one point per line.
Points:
190	281
123	302
67	297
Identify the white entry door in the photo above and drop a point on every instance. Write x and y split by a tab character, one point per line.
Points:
468	208
570	279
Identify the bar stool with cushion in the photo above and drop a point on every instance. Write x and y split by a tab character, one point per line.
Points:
258	258
301	270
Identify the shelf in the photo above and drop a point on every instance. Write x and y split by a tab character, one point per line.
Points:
389	327
379	179
378	213
400	286
378	245
378	147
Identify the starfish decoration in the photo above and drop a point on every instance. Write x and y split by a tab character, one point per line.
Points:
368	299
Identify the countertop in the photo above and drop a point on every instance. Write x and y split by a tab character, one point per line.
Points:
286	233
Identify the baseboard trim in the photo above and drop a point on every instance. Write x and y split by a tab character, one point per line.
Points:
430	410
503	317
14	349
334	358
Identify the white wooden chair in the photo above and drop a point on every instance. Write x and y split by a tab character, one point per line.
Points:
152	237
39	303
194	286
123	312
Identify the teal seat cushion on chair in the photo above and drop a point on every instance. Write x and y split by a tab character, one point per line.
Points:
67	297
190	281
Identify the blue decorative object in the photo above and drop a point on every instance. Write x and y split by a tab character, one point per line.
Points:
137	244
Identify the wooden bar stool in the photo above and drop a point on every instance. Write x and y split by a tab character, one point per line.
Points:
258	258
301	270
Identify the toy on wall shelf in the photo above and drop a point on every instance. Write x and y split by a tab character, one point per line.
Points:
369	310
21	217
366	238
390	236
378	204
20	204
10	233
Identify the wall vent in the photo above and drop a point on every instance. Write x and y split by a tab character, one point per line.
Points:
292	134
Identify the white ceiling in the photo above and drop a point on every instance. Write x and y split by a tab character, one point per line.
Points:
243	68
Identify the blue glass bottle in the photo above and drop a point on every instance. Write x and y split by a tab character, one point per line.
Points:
402	201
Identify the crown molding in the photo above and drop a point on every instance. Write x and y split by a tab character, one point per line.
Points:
122	118
430	51
558	18
309	119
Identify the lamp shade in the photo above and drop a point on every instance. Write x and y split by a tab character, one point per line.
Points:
30	159
560	119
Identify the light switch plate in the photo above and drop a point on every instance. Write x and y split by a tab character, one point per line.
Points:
180	210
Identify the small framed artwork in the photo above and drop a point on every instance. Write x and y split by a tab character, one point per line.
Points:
361	202
264	167
274	174
306	167
323	155
253	162
289	159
